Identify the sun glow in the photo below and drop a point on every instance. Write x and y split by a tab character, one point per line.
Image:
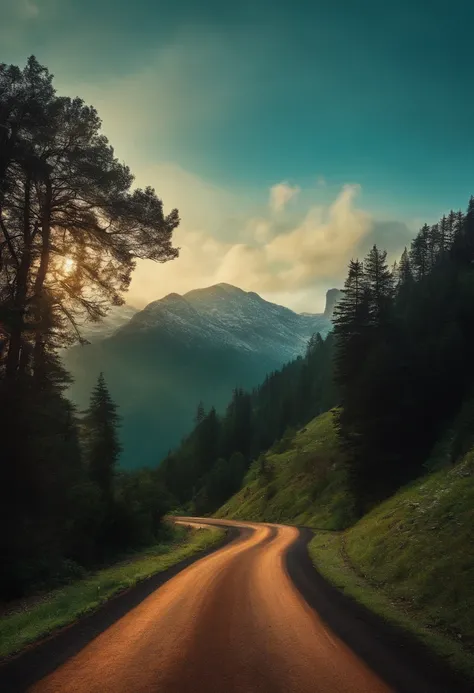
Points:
68	265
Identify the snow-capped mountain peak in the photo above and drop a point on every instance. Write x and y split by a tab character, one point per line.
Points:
223	314
183	349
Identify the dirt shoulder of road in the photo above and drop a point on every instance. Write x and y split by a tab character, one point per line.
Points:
55	643
399	657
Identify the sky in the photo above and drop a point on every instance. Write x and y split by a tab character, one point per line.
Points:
291	135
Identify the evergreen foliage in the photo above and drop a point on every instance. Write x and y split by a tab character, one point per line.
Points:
71	230
211	462
403	348
398	364
103	448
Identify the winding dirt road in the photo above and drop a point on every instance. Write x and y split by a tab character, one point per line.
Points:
231	622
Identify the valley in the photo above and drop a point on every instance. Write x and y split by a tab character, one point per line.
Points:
180	350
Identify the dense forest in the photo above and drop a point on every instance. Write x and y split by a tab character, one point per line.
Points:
398	365
403	359
211	463
71	230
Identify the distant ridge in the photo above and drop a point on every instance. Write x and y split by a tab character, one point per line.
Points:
182	349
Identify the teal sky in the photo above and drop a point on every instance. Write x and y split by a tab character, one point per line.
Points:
214	103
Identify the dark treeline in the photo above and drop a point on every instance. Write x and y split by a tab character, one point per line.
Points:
71	229
404	340
210	464
398	365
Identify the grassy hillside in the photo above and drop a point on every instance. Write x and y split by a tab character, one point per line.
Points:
301	480
412	560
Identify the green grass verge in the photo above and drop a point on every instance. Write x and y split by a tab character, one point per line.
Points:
66	605
301	480
411	560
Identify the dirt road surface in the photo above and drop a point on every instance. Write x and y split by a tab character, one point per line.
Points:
250	616
232	622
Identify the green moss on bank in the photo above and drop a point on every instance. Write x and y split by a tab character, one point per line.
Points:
301	480
66	605
412	561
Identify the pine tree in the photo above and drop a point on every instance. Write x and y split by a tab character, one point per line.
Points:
434	245
457	249
40	472
394	271
405	274
103	447
238	425
350	311
65	197
351	321
200	413
379	281
420	254
405	283
207	441
444	235
469	229
464	239
450	229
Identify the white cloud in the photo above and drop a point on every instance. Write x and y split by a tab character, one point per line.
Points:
281	194
257	230
318	245
295	265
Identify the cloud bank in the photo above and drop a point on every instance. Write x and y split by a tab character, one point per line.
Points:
293	263
288	242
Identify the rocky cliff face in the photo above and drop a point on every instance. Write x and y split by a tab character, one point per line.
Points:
332	297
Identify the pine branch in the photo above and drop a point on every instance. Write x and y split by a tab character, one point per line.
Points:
8	241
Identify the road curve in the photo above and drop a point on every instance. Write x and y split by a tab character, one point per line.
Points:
230	623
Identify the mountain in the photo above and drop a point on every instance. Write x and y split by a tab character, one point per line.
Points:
223	315
183	349
115	318
332	297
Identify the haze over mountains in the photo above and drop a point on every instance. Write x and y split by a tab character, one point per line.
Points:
179	350
115	318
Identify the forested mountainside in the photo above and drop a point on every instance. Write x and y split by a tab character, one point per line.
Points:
398	365
392	465
212	461
183	349
410	558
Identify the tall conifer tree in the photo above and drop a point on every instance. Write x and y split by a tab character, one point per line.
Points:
103	447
